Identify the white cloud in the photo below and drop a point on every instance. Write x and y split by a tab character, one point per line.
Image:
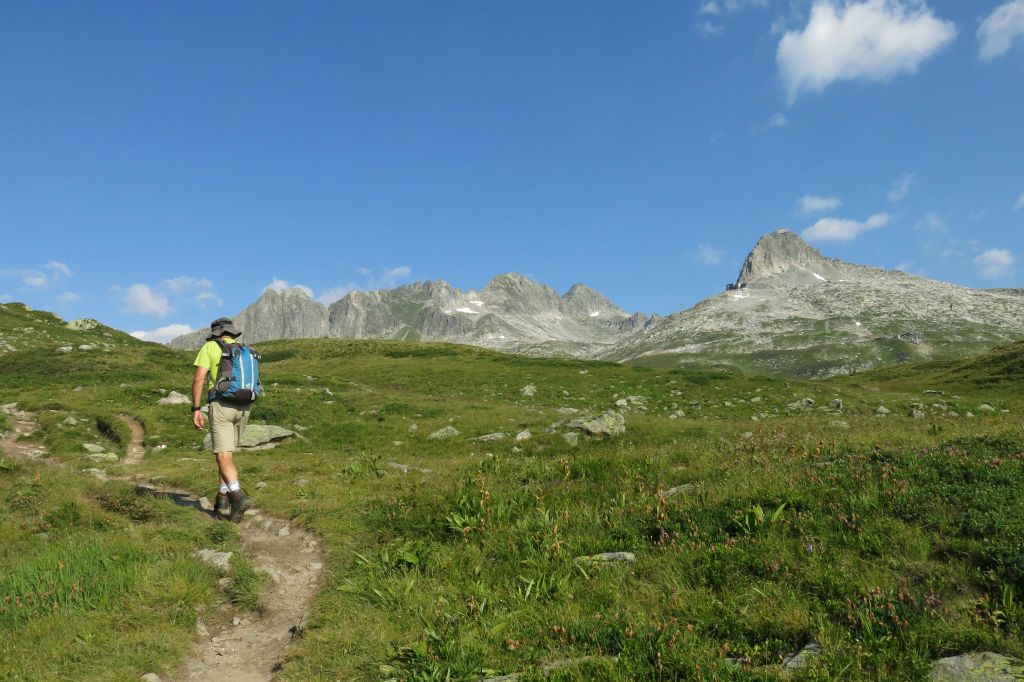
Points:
68	297
335	294
1000	29
709	255
931	222
810	203
901	188
185	285
34	278
874	40
390	277
141	300
58	269
843	230
208	298
994	262
778	121
708	29
716	7
1020	202
280	285
163	334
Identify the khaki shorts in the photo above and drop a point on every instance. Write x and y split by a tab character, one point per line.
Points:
226	425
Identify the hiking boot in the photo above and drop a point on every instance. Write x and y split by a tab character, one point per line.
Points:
222	507
239	503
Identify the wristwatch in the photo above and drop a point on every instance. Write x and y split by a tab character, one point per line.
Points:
196	409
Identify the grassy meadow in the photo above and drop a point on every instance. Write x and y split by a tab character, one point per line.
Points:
762	516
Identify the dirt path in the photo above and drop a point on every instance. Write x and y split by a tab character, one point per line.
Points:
233	646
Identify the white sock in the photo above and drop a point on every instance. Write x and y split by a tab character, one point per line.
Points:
234	486
224	488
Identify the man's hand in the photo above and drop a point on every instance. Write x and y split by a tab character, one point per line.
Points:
198	420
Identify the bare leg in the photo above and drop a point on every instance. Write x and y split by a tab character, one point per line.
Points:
228	472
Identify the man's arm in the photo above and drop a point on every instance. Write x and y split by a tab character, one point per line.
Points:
198	386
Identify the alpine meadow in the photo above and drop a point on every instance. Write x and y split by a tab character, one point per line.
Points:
479	520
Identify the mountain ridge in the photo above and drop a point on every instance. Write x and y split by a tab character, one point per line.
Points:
791	310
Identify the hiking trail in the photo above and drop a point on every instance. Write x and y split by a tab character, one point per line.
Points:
233	645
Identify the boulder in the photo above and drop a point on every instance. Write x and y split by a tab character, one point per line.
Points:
917	414
802	658
215	559
610	423
883	410
258	437
523	435
93	448
836	404
572	439
608	557
985	407
175	398
984	666
446	432
528	390
102	457
70	421
500	435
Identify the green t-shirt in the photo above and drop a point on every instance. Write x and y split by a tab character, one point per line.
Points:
209	357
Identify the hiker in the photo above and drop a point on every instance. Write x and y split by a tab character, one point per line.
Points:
228	416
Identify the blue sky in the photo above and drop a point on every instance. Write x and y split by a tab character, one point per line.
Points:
161	164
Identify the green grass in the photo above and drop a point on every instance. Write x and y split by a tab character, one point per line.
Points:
890	541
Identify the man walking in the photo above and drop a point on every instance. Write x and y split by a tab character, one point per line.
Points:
227	421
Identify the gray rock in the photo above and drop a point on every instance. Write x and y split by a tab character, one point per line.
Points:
572	439
150	677
839	423
609	423
836	404
102	457
99	474
883	410
175	398
215	559
680	489
985	407
802	658
92	447
980	667
258	437
917	414
65	349
500	435
260	485
443	433
566	410
406	468
608	557
70	421
523	435
529	390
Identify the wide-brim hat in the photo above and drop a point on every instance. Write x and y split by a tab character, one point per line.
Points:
222	326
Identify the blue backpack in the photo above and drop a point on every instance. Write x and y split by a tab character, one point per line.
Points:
238	380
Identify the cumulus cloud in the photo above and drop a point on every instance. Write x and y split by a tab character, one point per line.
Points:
140	299
901	188
994	262
1000	29
43	277
68	297
709	255
1020	202
163	334
843	230
335	294
810	203
874	40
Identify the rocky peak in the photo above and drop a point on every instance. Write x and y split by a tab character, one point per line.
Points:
519	292
582	301
777	252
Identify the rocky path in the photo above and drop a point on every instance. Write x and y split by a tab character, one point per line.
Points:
232	645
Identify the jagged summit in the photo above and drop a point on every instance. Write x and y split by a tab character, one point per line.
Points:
778	252
582	301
